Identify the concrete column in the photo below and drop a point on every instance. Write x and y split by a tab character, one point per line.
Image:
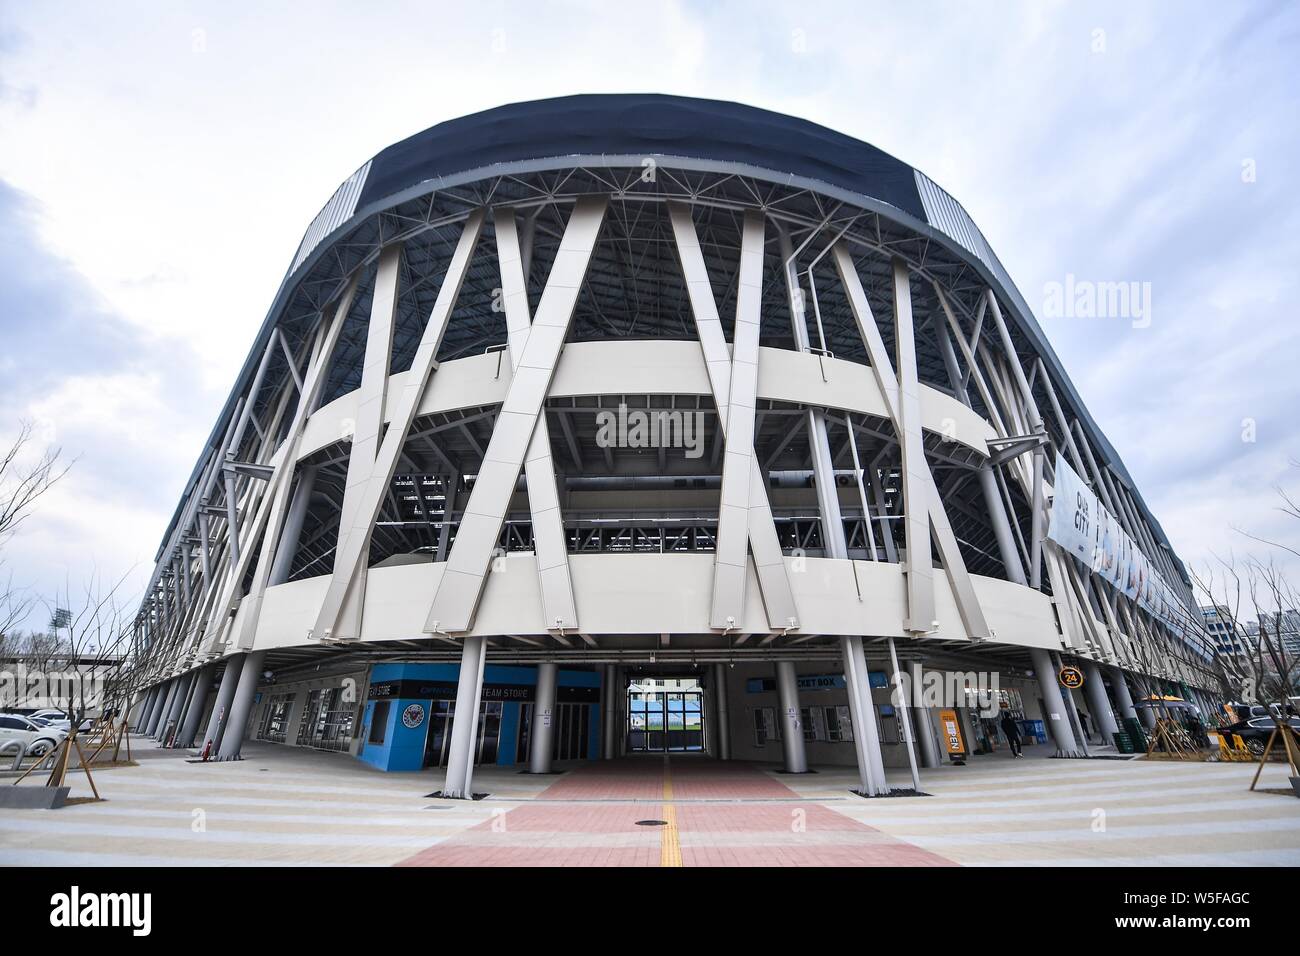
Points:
150	702
905	716
792	744
184	706
1098	702
166	692
464	724
288	546
232	738
1001	526
1056	718
924	725
1071	709
1122	696
609	739
723	721
221	706
1148	715
199	697
539	752
173	706
866	739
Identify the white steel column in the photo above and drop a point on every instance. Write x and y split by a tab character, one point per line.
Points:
221	706
609	737
288	546
792	743
539	752
1036	426
1056	718
919	565
464	722
732	554
924	725
274	502
150	702
461	586
723	721
1001	525
232	738
906	719
194	712
1102	715
968	606
769	562
165	692
354	542
555	580
372	395
173	692
862	714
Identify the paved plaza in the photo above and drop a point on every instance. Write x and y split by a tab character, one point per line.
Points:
293	807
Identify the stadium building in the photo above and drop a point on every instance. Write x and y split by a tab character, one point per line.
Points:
604	425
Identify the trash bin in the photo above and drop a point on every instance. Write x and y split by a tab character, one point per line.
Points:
1123	742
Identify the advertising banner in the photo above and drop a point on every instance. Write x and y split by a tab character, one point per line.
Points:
1082	527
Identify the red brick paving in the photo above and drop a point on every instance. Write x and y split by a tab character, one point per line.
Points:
757	821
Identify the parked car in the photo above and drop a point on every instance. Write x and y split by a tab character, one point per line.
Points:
1254	733
57	718
37	740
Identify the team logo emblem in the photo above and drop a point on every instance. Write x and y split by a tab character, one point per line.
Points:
413	716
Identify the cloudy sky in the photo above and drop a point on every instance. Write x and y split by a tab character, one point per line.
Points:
159	162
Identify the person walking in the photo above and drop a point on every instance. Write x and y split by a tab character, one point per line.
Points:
1012	730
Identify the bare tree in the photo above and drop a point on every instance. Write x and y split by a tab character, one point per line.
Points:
93	629
23	482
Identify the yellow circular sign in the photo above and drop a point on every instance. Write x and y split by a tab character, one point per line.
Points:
1070	677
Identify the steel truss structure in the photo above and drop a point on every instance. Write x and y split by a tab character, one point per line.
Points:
878	414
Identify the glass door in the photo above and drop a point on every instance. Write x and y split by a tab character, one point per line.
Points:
685	719
438	735
665	721
489	730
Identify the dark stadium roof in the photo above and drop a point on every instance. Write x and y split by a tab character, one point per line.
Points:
642	124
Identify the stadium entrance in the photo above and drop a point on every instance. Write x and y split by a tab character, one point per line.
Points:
665	715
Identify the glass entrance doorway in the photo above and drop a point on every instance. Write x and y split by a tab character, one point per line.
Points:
665	716
437	740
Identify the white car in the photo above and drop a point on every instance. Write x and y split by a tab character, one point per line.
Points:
37	740
59	720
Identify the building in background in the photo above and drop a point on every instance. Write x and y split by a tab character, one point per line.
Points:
568	396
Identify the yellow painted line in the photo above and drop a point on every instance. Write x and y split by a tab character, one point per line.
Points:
670	847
